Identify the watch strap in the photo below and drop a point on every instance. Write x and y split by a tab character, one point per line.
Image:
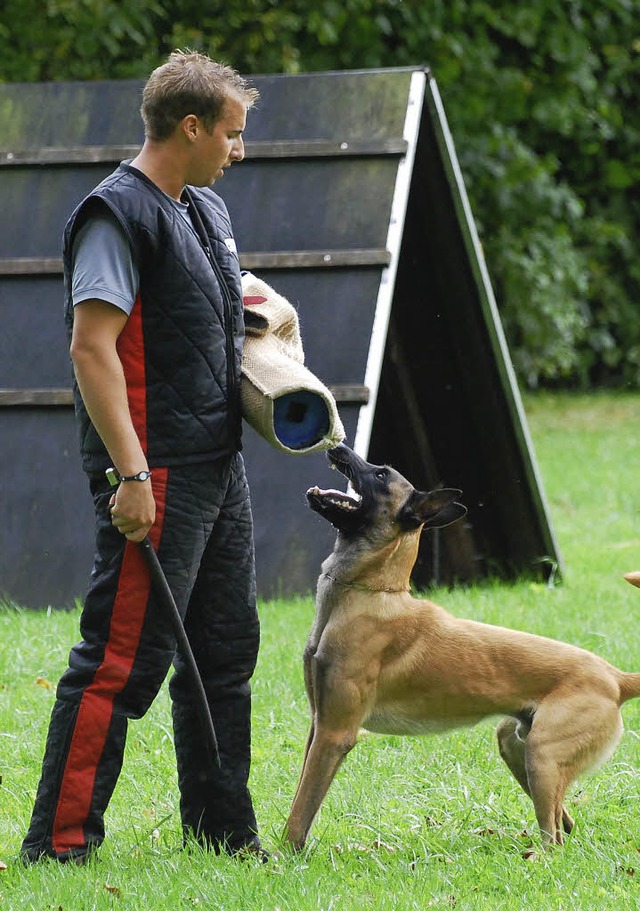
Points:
114	477
141	476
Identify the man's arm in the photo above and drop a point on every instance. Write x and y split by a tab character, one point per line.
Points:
102	384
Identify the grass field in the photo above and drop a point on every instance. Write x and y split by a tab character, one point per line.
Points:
409	823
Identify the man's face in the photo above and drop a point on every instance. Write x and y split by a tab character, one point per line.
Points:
217	149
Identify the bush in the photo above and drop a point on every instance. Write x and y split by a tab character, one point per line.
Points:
542	101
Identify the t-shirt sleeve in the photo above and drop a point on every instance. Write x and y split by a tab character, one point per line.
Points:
103	266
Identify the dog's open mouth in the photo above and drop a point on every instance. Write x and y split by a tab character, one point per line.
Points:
329	500
335	505
345	511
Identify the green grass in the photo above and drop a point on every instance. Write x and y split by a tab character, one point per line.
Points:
409	823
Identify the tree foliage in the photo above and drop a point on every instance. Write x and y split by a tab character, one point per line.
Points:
541	97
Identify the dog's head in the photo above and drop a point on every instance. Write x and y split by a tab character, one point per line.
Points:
382	498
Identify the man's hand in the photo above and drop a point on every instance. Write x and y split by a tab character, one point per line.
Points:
133	509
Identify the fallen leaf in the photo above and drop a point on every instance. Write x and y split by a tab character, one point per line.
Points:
381	845
44	683
450	900
113	889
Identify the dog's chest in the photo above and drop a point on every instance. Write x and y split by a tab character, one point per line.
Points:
388	721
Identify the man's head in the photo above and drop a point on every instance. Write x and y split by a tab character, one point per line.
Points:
190	83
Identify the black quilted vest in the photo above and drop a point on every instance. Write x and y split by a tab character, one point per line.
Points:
182	345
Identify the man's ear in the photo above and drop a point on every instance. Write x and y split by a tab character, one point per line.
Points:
434	509
189	126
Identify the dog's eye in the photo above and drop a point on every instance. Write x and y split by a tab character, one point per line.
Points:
381	474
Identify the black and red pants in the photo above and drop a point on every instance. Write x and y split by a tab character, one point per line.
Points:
203	535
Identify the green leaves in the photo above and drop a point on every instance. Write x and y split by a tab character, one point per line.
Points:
542	101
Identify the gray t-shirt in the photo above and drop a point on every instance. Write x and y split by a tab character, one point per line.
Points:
103	267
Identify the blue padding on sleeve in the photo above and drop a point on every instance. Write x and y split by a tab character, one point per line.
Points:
300	419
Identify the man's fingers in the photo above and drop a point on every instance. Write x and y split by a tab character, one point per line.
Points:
130	528
134	533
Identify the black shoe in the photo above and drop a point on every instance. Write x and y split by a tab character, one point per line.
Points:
252	849
34	857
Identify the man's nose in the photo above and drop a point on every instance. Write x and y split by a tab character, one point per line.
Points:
237	151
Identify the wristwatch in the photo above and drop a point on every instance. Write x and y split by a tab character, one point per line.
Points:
114	477
141	476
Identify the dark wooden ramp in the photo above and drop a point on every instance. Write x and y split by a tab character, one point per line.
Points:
351	204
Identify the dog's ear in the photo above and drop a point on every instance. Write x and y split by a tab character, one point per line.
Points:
434	509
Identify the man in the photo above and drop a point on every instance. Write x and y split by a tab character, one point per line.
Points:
154	310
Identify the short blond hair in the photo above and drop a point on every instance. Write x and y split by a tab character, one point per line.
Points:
190	83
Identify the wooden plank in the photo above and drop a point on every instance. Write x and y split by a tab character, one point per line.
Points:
35	398
67	156
344	394
314	259
285	149
281	259
321	148
31	265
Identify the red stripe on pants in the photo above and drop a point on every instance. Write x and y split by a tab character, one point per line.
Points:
96	705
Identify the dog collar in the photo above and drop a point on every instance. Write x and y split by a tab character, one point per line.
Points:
359	586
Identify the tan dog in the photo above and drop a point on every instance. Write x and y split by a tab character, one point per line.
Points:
381	659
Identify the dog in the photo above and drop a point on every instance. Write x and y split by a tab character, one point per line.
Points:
380	659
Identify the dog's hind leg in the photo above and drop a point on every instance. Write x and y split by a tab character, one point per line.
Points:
512	734
569	735
547	784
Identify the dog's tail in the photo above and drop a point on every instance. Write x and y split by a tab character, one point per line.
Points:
633	577
630	683
629	686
